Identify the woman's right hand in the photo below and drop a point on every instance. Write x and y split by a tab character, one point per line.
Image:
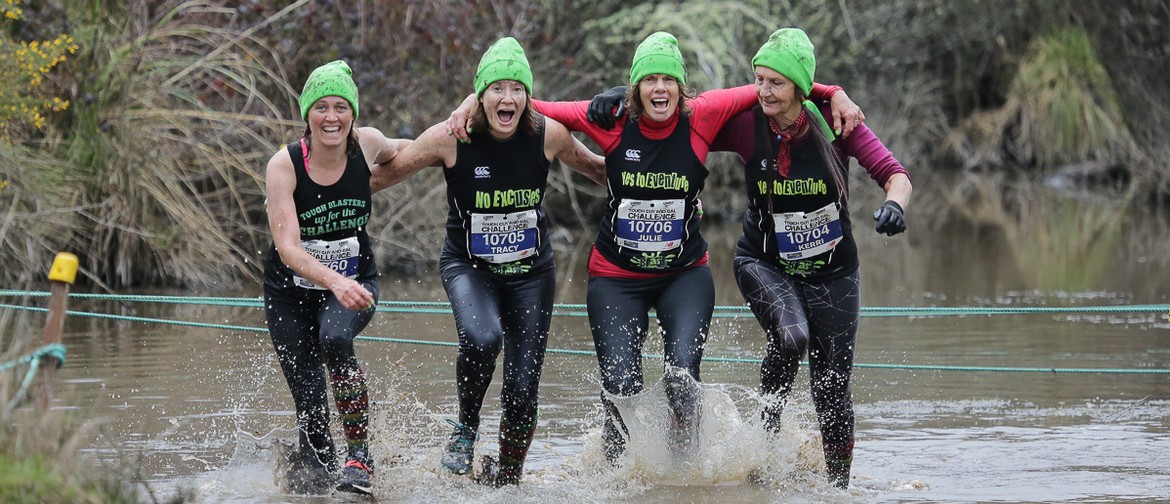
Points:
459	123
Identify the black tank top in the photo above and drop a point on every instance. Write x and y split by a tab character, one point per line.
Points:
649	224
331	217
495	192
817	245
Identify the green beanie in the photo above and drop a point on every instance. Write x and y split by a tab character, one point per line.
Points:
658	54
504	60
331	79
790	52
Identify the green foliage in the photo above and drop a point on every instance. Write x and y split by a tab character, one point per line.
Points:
1061	108
1069	110
23	68
36	481
39	463
154	173
717	38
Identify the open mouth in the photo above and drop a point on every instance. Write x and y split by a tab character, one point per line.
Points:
331	129
660	104
505	116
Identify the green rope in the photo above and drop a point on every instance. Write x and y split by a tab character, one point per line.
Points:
54	350
579	310
735	360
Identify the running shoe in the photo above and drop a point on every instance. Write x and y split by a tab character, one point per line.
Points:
493	474
355	476
306	473
460	449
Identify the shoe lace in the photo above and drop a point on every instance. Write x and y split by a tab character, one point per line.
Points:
462	438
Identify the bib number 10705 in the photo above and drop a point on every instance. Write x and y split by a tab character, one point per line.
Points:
503	238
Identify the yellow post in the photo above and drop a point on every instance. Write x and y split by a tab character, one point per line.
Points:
61	277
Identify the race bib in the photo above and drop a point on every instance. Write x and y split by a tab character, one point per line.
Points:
338	255
650	225
503	238
800	235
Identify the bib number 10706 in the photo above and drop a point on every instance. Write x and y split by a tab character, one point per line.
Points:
650	225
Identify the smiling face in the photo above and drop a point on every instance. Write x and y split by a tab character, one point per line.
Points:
659	95
330	121
777	95
503	104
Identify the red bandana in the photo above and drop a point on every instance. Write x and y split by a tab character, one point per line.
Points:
784	157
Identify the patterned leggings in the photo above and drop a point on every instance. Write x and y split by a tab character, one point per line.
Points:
799	316
310	333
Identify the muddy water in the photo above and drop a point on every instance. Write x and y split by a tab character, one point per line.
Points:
204	409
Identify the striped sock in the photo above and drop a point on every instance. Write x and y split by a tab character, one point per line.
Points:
353	404
514	443
838	459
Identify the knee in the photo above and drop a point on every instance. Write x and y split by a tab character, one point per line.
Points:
787	340
336	343
481	345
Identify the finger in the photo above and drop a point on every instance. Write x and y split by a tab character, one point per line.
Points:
837	122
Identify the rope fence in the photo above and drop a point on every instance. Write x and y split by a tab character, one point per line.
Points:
574	310
578	310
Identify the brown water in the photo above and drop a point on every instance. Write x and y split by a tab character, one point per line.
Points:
200	408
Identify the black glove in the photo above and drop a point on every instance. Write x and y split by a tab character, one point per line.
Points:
607	106
889	218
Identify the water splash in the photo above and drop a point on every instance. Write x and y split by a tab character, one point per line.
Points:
726	444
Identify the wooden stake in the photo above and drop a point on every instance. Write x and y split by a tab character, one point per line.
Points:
61	277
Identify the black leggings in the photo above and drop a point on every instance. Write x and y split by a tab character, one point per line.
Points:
493	311
308	332
800	316
619	319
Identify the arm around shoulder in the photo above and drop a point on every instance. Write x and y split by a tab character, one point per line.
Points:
558	142
432	148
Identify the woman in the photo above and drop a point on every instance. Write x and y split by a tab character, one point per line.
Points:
320	279
648	253
796	263
497	263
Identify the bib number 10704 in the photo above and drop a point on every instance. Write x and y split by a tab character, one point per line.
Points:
801	235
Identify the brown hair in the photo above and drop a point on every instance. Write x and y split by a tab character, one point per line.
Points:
634	101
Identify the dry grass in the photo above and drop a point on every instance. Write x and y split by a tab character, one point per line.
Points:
156	175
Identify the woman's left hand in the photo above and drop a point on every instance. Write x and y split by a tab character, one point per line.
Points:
846	115
459	123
